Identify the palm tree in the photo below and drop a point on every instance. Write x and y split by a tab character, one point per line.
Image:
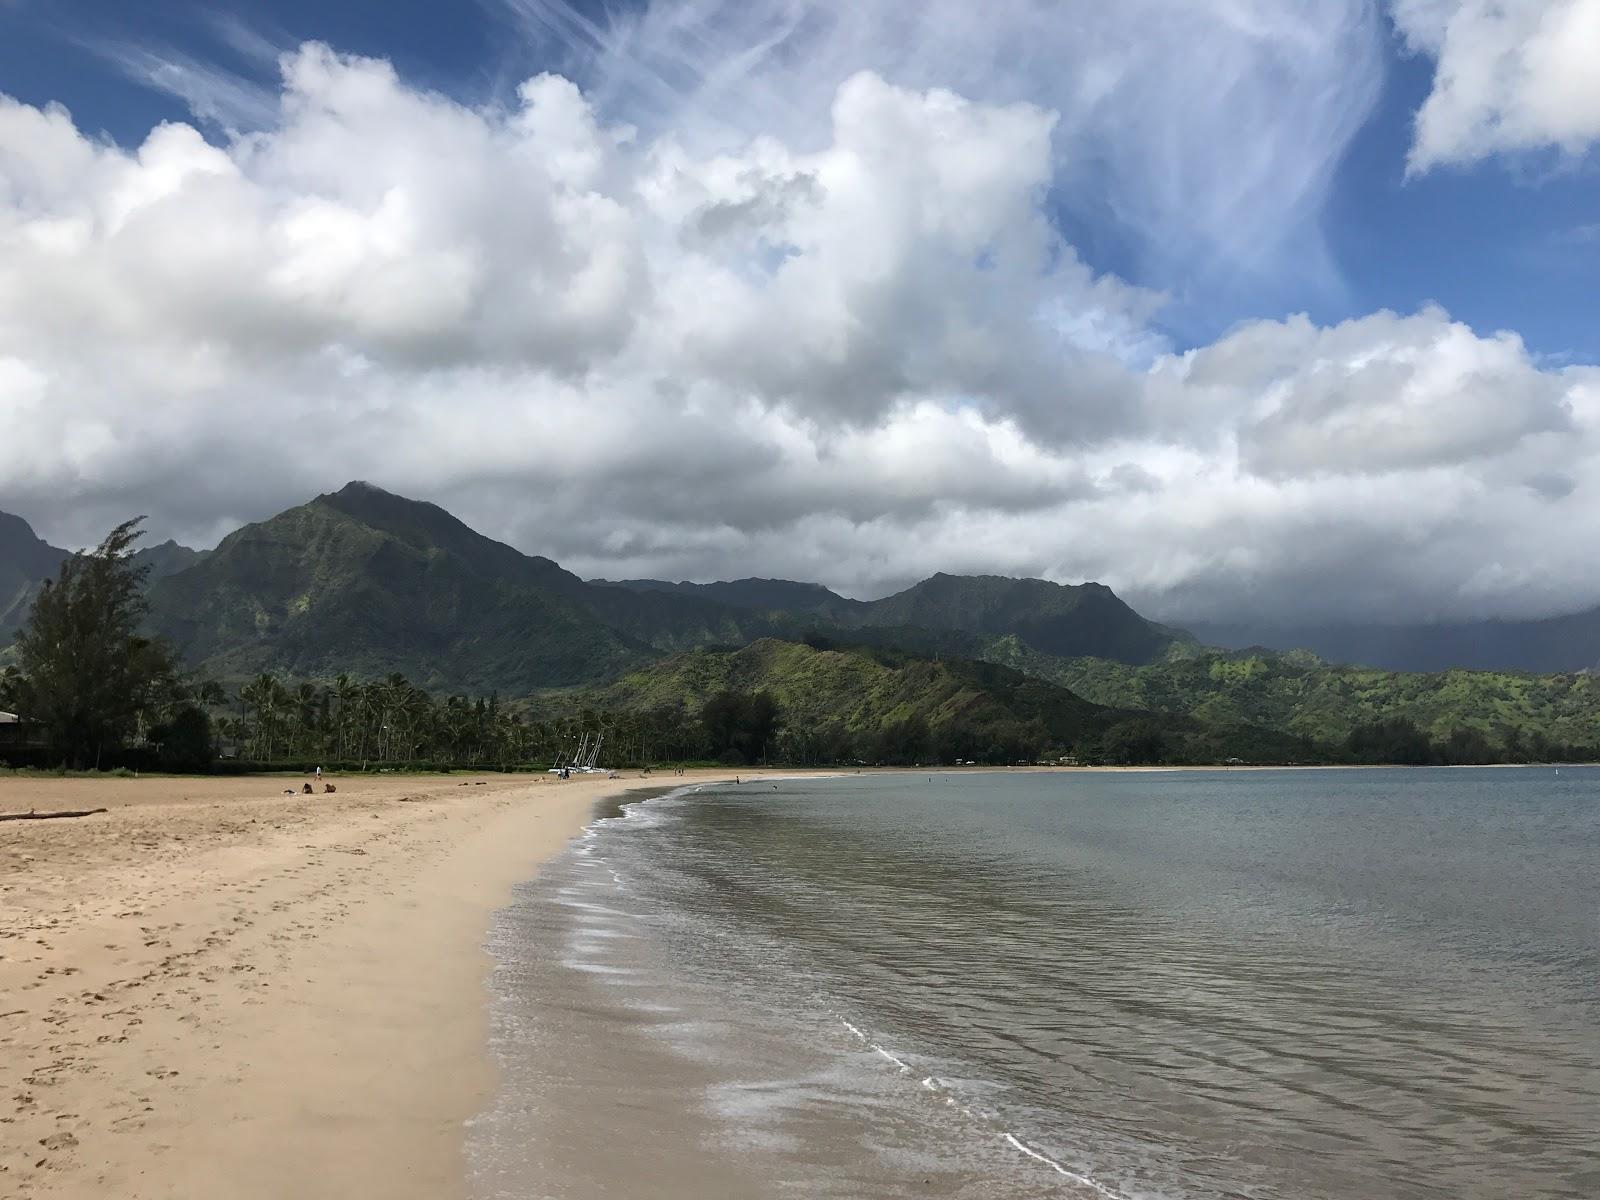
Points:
304	710
344	694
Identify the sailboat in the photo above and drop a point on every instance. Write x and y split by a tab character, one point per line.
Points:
584	760
589	767
568	765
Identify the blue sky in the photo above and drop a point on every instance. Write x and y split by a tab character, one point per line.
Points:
1500	244
1252	309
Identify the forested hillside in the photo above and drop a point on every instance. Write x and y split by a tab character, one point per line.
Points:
1515	715
874	704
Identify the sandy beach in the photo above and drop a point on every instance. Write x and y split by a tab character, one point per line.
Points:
214	989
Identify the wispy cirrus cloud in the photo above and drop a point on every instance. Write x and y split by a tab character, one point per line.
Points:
235	88
1207	131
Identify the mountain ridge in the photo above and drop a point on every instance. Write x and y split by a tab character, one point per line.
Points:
26	559
378	582
1064	620
367	581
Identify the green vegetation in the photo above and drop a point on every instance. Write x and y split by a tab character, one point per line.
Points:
948	612
385	722
1050	618
25	562
370	584
363	627
84	674
352	583
1464	716
365	583
739	726
872	704
840	704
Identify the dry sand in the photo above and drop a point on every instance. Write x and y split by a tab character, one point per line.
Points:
216	990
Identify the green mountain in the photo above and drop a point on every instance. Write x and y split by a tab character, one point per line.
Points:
1298	693
805	600
25	560
880	704
1062	620
861	692
952	614
166	558
365	582
368	583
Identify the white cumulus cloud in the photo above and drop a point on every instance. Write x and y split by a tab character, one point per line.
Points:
859	354
1511	75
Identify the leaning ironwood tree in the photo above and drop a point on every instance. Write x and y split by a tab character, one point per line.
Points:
85	673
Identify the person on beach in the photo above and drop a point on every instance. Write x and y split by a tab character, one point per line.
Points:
318	774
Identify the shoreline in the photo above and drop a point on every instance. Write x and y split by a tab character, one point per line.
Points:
217	990
211	973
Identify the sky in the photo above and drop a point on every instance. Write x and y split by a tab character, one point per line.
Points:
1255	310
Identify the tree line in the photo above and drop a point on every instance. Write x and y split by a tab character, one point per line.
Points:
1400	740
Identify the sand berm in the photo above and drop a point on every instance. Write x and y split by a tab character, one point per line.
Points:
217	990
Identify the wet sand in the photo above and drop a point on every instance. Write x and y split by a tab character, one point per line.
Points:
218	990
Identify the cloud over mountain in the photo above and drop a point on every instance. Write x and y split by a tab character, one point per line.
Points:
861	352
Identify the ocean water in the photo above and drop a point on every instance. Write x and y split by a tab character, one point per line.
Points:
1326	985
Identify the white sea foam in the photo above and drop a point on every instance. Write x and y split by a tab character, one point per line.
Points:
588	906
652	1006
905	1069
1085	1180
596	930
934	1084
594	968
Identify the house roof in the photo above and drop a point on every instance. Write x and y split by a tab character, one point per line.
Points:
10	719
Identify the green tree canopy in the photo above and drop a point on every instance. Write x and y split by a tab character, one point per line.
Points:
740	726
84	672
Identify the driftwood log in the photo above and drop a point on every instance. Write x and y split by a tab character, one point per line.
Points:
30	815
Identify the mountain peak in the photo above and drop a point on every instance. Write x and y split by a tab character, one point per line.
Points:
392	512
1066	620
23	551
25	559
359	487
